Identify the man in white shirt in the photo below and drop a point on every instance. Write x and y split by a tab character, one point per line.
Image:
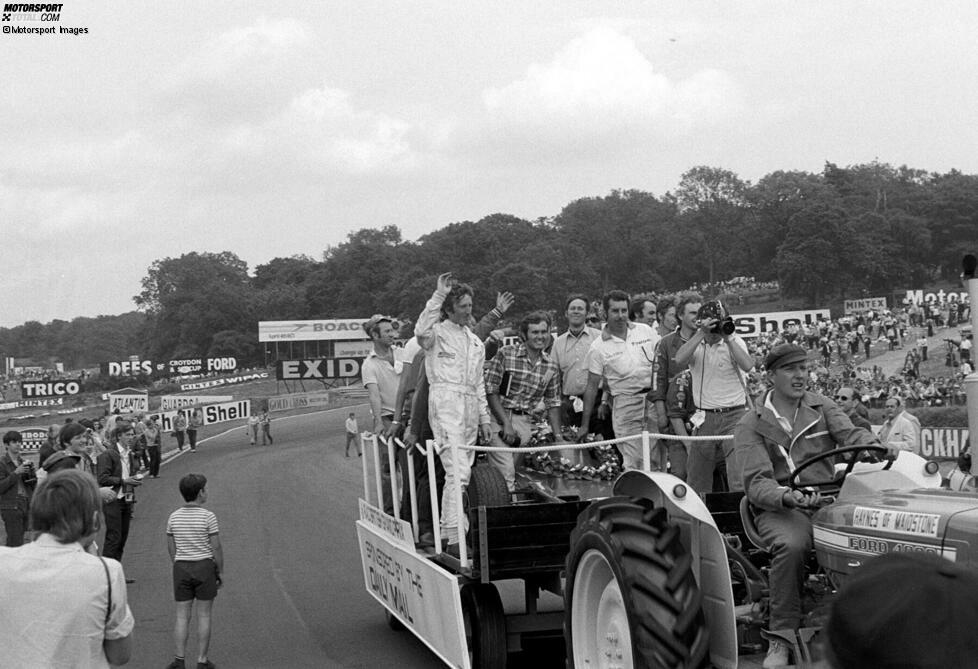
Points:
623	357
352	434
717	363
901	429
569	351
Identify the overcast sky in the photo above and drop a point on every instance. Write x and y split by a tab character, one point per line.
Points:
271	129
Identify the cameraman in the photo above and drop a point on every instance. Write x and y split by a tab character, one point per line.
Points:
717	360
17	481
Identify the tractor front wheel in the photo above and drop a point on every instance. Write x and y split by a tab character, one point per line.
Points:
631	600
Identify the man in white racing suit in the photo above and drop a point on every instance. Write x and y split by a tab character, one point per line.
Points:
457	408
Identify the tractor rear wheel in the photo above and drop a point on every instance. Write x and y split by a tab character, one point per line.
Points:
485	625
631	600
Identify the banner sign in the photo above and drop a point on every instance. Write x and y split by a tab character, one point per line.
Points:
299	401
128	402
866	304
209	415
34	437
920	297
942	443
352	349
51	402
29	389
128	368
214	383
753	325
201	366
343	329
171	402
422	595
320	368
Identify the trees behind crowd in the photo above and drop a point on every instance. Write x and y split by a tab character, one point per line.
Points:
842	233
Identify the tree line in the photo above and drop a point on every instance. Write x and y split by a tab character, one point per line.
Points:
841	233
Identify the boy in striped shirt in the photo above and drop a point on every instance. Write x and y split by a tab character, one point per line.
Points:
198	561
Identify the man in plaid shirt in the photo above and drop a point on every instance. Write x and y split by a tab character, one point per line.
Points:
517	380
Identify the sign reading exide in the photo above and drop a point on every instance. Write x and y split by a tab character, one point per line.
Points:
322	368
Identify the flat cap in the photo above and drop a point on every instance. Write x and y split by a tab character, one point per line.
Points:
784	354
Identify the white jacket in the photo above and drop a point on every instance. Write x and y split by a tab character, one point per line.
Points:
455	357
904	433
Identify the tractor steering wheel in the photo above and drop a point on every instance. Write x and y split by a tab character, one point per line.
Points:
834	484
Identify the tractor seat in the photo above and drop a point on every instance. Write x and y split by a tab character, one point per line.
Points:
750	528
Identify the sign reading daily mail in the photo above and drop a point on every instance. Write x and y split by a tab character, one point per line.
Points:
863	305
753	325
341	329
171	402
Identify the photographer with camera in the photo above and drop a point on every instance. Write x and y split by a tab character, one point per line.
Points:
518	378
717	360
17	481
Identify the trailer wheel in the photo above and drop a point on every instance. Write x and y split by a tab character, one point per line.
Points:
631	599
485	626
393	622
487	487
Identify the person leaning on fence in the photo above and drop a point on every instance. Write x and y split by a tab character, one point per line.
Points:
457	408
63	606
518	378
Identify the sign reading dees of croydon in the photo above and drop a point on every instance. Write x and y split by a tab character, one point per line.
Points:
348	329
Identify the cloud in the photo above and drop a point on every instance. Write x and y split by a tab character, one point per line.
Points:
601	88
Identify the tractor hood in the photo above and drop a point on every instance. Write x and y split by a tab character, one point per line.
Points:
859	526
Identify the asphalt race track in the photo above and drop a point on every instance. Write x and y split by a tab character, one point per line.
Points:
293	594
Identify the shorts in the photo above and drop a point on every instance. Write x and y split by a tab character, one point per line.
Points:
194	580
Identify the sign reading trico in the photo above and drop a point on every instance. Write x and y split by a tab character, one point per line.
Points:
29	389
322	368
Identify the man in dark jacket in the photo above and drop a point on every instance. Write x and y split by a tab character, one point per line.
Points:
116	469
17	481
852	404
788	426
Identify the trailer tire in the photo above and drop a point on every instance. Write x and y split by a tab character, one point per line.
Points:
630	593
487	487
485	625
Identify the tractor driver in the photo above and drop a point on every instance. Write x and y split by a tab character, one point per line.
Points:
787	426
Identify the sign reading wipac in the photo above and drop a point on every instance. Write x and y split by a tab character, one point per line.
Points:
321	368
753	325
340	329
865	304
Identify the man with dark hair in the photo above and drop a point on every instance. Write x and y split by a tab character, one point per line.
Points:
54	604
381	374
17	481
116	469
671	391
643	309
569	352
852	404
457	408
788	426
194	543
622	356
518	378
717	364
668	315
